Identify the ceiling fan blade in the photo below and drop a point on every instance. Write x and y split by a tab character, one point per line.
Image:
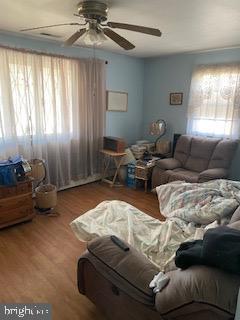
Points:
55	25
122	42
74	37
131	27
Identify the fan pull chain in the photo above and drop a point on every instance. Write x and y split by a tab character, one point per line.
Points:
94	71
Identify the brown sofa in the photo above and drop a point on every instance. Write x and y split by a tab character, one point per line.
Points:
196	160
117	282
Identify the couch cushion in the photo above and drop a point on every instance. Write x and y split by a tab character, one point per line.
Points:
235	216
223	154
207	286
212	174
183	148
182	174
200	153
168	164
235	225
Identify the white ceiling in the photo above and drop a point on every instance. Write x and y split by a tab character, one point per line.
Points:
187	25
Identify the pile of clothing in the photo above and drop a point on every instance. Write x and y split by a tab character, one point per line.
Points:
220	248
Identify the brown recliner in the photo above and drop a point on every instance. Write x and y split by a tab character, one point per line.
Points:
196	160
118	283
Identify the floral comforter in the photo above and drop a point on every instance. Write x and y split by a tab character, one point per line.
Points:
201	203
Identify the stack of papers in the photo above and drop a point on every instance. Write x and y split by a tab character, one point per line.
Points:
147	163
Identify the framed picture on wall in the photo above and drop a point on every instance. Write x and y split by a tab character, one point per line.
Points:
176	98
117	101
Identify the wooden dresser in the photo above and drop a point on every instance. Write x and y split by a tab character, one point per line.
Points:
16	203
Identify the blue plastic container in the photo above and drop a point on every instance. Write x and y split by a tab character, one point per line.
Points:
131	181
8	170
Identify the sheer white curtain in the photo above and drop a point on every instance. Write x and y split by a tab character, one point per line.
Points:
214	103
53	108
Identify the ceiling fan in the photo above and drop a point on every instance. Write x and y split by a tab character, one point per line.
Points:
97	29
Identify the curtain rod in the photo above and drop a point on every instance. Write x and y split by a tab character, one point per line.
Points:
42	53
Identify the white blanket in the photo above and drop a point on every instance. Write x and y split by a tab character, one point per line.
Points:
155	239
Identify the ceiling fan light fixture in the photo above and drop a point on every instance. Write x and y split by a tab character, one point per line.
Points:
101	37
94	37
97	28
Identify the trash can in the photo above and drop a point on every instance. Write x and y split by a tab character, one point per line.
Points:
46	196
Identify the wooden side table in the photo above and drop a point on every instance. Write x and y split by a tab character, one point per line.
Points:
117	158
144	173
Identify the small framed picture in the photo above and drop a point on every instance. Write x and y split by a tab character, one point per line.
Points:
176	98
117	101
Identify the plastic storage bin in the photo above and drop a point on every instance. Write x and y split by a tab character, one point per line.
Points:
131	181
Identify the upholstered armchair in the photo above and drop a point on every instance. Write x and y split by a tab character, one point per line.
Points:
196	160
117	282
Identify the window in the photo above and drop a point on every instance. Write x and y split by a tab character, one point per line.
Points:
36	94
214	103
53	108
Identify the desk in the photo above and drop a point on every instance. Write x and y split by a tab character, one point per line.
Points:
117	158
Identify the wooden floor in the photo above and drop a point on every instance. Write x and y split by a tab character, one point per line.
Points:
38	259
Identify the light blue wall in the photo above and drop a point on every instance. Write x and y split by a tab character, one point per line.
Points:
148	83
124	73
173	74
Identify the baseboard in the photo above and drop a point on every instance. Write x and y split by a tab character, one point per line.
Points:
93	178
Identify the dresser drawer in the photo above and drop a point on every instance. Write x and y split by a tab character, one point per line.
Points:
24	187
6	192
16	202
15	214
